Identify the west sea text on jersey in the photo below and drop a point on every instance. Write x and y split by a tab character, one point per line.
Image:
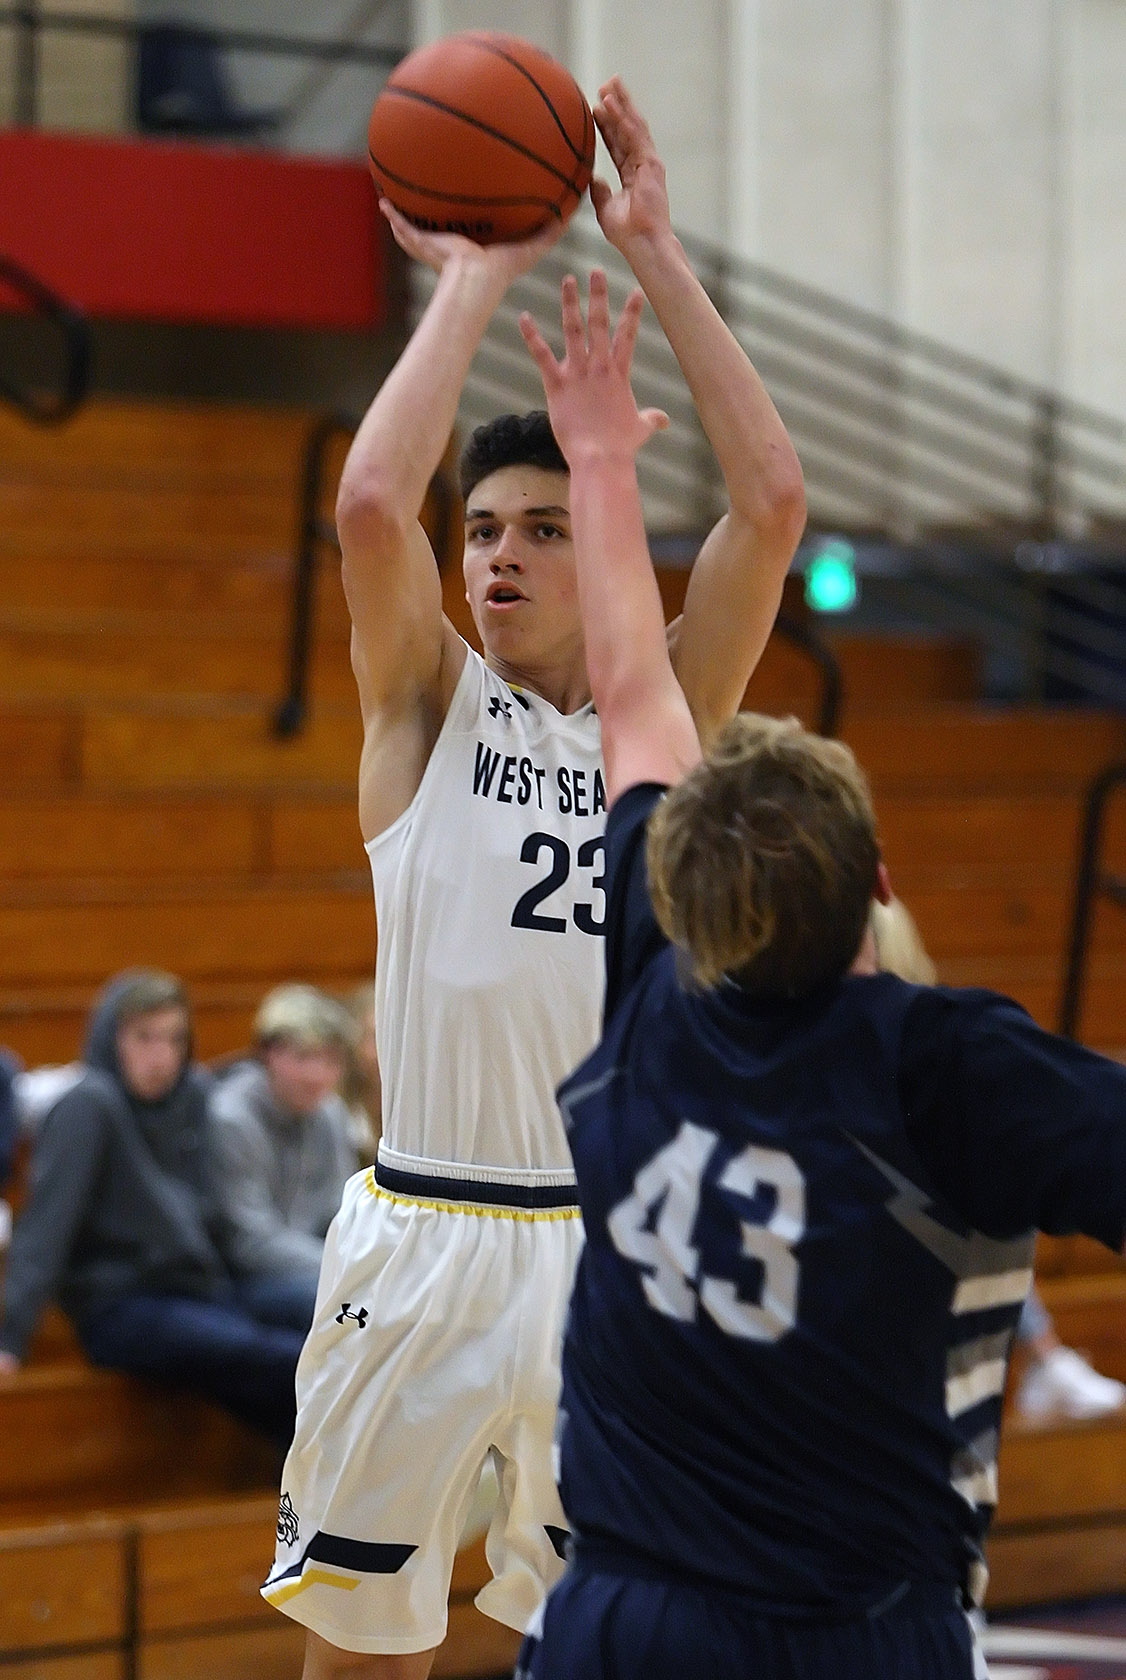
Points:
516	780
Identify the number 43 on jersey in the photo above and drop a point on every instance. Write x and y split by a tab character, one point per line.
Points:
654	1226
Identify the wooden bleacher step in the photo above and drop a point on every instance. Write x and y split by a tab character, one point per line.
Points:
237	836
47	1024
203	930
172	1594
80	1438
959	749
118	656
1060	1529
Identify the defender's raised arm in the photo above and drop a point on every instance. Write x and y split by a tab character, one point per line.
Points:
648	733
736	583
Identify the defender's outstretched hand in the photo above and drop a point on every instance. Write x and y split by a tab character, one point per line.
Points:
436	249
589	396
640	209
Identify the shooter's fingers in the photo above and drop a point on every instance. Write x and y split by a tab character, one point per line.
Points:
601	193
406	234
621	124
538	244
611	134
655	418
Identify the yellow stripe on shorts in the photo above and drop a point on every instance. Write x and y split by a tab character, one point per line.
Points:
281	1594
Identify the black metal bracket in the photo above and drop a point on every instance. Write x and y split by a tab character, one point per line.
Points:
1090	882
312	533
50	409
821	654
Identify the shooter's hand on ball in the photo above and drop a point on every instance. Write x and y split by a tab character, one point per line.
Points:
437	249
589	397
640	209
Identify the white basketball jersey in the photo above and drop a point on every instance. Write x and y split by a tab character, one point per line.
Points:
490	911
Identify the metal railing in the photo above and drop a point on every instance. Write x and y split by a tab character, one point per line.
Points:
986	505
896	432
30	22
1005	503
54	401
1092	881
315	532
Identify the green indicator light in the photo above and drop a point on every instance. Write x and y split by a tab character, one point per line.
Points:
830	577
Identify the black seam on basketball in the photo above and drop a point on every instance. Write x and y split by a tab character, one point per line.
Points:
460	198
498	52
475	122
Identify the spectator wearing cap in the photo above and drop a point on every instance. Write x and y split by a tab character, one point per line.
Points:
281	1136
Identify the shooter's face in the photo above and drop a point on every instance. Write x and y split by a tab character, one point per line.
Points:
520	566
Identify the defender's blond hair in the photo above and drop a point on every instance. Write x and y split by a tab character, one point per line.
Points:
899	944
762	861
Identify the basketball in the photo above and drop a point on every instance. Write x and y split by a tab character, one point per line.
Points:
482	134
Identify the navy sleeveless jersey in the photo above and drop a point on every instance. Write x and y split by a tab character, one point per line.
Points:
809	1232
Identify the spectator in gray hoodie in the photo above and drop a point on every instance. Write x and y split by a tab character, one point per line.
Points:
121	1220
283	1149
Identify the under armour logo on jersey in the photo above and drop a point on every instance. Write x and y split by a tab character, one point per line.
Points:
287	1521
500	708
359	1318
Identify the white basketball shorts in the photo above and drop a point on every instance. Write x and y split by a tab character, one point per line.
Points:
435	1344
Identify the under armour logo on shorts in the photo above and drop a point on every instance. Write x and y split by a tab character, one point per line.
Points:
499	708
287	1521
360	1317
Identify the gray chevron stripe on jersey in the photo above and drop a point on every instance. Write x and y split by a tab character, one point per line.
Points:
990	1272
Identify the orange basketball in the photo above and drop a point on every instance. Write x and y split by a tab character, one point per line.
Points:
482	134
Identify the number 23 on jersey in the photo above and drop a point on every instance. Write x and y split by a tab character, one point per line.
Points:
552	857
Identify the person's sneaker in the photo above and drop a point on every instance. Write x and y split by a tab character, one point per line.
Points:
1062	1384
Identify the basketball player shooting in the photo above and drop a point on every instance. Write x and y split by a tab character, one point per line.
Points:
482	805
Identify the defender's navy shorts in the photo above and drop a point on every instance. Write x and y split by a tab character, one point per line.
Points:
599	1625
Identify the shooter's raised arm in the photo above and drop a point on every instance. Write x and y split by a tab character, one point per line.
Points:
647	729
401	647
736	583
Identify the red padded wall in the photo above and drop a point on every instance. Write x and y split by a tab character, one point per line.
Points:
179	232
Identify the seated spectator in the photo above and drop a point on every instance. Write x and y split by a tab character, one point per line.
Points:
362	1085
37	1090
1056	1381
281	1135
9	1134
121	1220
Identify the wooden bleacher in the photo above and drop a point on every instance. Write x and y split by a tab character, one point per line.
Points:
147	815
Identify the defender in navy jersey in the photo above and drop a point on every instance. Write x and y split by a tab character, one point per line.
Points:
435	1346
810	1190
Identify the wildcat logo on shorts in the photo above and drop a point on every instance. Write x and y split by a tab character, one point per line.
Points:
359	1318
287	1521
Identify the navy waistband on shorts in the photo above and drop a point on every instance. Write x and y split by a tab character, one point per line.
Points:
483	1192
918	1598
